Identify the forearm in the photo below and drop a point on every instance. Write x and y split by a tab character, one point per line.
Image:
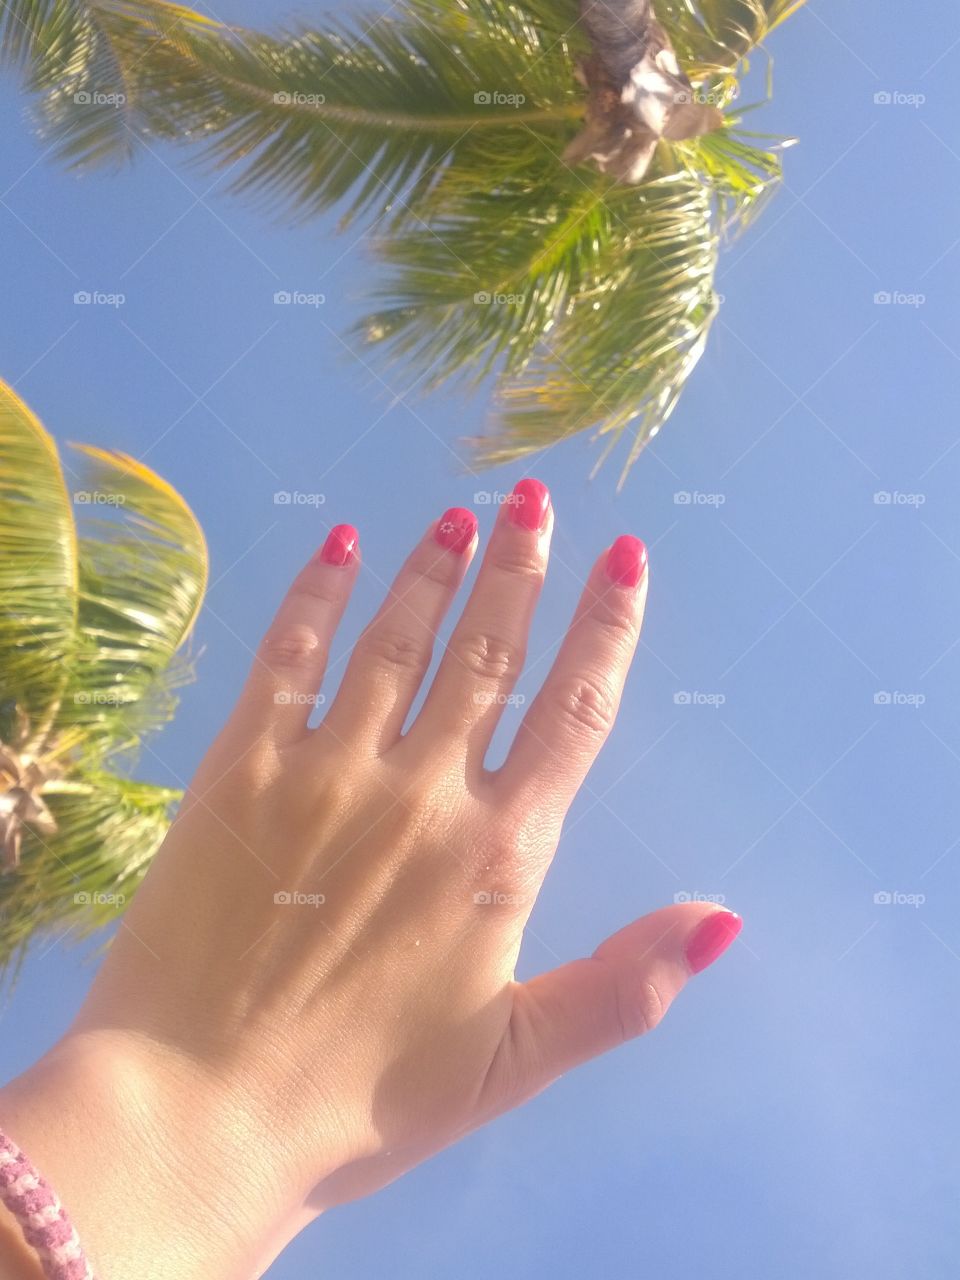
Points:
148	1198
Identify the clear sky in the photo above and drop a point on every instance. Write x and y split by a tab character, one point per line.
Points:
796	1114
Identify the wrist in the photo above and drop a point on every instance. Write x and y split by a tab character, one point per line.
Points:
151	1170
17	1260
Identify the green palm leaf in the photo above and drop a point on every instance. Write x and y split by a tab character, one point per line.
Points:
90	641
79	880
443	124
38	569
143	573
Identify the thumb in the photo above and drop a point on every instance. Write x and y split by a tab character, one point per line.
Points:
582	1009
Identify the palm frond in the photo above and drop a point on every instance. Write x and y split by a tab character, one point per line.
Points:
98	68
143	573
38	575
82	877
443	123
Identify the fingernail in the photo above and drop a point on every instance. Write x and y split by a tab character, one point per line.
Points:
456	529
711	938
529	504
626	561
340	546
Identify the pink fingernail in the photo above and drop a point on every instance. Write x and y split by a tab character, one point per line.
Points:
529	504
626	561
456	529
711	938
340	546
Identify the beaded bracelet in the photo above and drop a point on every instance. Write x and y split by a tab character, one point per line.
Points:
40	1215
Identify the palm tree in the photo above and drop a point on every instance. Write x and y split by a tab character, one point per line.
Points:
99	589
443	126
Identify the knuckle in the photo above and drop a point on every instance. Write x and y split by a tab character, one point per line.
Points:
290	646
587	705
431	564
313	585
394	649
520	564
640	1007
487	656
616	621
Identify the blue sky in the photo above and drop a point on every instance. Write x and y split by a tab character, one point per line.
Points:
796	1113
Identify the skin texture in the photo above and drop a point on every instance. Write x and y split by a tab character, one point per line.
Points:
314	989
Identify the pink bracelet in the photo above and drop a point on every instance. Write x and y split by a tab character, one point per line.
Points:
41	1217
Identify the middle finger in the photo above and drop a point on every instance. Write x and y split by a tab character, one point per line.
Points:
487	649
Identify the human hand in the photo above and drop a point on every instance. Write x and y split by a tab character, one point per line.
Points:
314	988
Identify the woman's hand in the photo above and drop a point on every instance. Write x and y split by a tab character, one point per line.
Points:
313	990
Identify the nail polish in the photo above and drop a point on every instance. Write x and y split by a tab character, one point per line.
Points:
711	938
456	529
529	504
626	561
340	546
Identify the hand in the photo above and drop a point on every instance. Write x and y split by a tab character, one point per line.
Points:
314	989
